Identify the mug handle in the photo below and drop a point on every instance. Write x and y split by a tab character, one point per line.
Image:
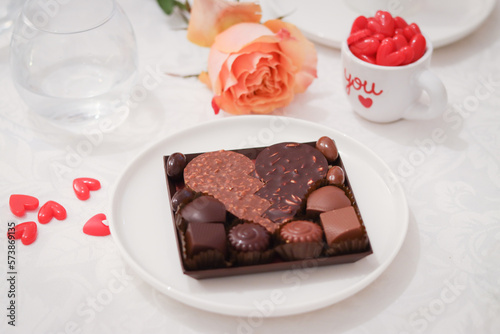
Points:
433	86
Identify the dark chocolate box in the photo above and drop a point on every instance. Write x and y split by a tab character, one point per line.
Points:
281	191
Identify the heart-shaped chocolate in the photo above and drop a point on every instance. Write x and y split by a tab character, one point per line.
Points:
227	176
289	171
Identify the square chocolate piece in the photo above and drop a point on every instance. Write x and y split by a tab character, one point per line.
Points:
341	225
205	236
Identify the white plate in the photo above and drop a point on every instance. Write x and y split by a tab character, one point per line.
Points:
329	22
142	226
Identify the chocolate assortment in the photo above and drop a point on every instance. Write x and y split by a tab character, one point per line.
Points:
263	209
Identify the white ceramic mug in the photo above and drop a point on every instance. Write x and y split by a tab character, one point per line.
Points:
388	93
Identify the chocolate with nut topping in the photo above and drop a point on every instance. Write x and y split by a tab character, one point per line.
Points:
289	171
225	175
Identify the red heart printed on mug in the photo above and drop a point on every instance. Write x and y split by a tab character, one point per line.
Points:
26	232
20	203
365	101
51	210
83	185
97	226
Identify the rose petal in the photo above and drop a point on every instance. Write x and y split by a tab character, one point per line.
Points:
300	50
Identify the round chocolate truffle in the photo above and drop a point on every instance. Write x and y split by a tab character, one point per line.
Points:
301	231
326	199
327	146
249	237
335	176
204	209
181	196
175	165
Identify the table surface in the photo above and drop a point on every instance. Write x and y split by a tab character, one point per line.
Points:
445	278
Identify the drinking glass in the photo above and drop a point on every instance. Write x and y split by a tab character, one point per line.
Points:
74	62
9	9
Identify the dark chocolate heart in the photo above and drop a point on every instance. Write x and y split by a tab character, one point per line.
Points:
289	171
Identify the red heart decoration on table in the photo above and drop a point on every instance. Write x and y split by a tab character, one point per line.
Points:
382	23
26	232
387	54
20	203
366	102
83	185
97	226
51	210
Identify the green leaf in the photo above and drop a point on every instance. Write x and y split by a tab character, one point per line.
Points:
167	5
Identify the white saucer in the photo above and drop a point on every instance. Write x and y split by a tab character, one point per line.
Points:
141	223
329	21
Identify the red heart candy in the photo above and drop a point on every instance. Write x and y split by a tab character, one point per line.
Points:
358	36
25	231
358	24
83	185
97	226
408	53
399	41
380	37
400	22
366	102
20	203
382	23
411	30
49	210
418	45
368	59
387	55
368	46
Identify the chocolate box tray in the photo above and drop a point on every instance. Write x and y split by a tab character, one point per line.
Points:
277	264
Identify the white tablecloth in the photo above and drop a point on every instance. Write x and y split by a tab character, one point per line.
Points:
446	277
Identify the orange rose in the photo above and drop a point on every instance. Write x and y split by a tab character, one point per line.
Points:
257	68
